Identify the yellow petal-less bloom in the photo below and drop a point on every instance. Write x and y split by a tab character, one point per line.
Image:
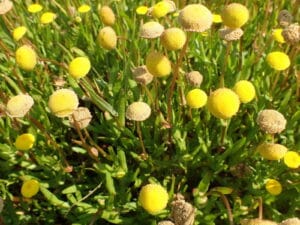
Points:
19	105
34	8
107	15
292	159
196	98
141	10
278	60
223	103
19	32
235	15
26	57
30	188
160	9
153	198
25	141
107	38
79	67
47	17
84	8
277	35
245	90
271	151
173	38
217	18
158	64
273	187
63	102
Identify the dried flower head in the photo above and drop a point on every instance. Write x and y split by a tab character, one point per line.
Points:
138	111
183	213
291	33
257	222
196	98
5	6
107	38
292	159
278	60
47	17
30	188
195	18
271	121
273	187
271	151
19	32
291	221
158	64
81	117
166	222
245	90
34	8
277	35
151	30
25	141
26	58
235	15
229	34
79	67
194	78
142	75
107	15
19	105
284	18
173	38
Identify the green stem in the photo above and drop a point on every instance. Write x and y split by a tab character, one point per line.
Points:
223	71
224	132
139	132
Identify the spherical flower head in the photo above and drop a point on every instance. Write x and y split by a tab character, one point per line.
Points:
79	67
217	18
142	75
271	151
166	222
30	188
160	9
158	64
194	78
284	18
107	15
291	221
292	159
195	18
277	35
19	105
5	6
84	8
107	38
47	17
230	34
153	198
245	90
26	58
235	15
34	8
80	118
138	111
196	98
25	141
273	187
223	103
63	102
278	60
19	32
257	222
173	38
271	121
182	212
291	34
141	10
151	30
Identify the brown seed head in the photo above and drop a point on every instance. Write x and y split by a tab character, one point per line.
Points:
166	222
81	117
151	30
138	111
229	34
291	221
5	6
194	78
291	34
284	18
183	213
271	121
257	222
142	75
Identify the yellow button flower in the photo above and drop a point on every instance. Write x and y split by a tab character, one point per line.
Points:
271	151
277	35
141	10
153	198
79	67
158	64
173	38
30	188
223	103
107	38
19	105
34	8
292	159
273	187
47	17
19	32
278	60
235	15
107	15
26	57
84	8
160	9
63	102
25	141
217	18
245	90
196	98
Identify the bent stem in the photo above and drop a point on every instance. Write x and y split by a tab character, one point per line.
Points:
223	71
139	132
275	82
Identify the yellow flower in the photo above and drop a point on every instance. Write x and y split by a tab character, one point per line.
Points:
79	67
30	188
107	38
19	32
63	102
235	15
84	8
292	159
173	38
25	141
196	98
47	17
245	90
34	8
223	103
273	187
26	57
158	64
19	105
217	18
141	10
107	16
271	151
153	198
277	35
278	60
160	9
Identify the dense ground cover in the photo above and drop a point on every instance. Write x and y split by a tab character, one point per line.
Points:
204	137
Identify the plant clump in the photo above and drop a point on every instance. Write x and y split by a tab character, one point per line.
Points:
271	151
235	15
271	121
